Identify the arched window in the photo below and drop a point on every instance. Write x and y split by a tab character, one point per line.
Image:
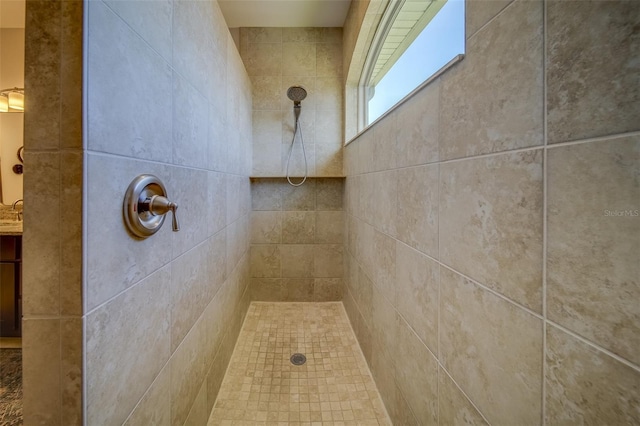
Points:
414	40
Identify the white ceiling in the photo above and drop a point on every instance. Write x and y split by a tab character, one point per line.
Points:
239	13
12	13
284	13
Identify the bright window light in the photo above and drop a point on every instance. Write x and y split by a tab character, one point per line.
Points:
441	40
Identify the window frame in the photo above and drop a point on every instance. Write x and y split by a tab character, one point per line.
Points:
362	100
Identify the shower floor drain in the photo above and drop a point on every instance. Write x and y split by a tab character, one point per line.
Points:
298	359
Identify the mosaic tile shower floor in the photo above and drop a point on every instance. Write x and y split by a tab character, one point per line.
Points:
262	387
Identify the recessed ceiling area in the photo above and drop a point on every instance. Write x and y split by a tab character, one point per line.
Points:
284	13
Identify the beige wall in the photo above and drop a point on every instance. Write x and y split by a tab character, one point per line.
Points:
297	239
157	318
275	59
485	279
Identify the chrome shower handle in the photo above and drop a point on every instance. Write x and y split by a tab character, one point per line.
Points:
145	206
158	205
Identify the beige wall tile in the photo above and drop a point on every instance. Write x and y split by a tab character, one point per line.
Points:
478	13
298	289
298	227
329	93
384	150
417	293
216	261
194	27
385	193
141	82
190	124
139	320
190	291
364	296
267	134
593	83
327	289
453	406
214	378
384	265
43	21
155	407
593	279
217	202
363	334
42	235
188	371
42	336
266	92
491	102
198	415
218	148
268	289
151	20
418	215
383	326
328	260
417	127
193	224
298	260
330	35
586	386
266	227
299	198
328	158
70	75
266	261
70	232
329	59
329	227
263	59
491	223
261	35
402	415
492	349
382	372
329	194
71	370
266	194
300	34
416	374
300	59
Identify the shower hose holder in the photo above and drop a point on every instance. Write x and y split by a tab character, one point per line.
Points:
145	206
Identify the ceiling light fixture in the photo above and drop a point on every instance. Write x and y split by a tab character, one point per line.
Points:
12	99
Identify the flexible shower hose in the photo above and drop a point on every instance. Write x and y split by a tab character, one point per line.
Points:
304	153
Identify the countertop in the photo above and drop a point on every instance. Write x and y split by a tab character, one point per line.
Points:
10	227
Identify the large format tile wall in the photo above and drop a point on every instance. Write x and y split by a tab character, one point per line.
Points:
52	238
276	59
297	243
166	94
492	225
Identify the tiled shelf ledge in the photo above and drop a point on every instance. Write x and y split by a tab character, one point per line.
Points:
299	177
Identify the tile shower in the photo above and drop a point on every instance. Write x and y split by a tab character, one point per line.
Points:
475	242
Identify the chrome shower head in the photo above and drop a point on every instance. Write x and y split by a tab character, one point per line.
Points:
296	93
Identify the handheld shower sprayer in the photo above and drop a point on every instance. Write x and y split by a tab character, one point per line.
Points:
297	94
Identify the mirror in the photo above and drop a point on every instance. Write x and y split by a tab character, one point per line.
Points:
12	17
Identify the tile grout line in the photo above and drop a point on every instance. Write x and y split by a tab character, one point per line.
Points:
545	207
595	346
